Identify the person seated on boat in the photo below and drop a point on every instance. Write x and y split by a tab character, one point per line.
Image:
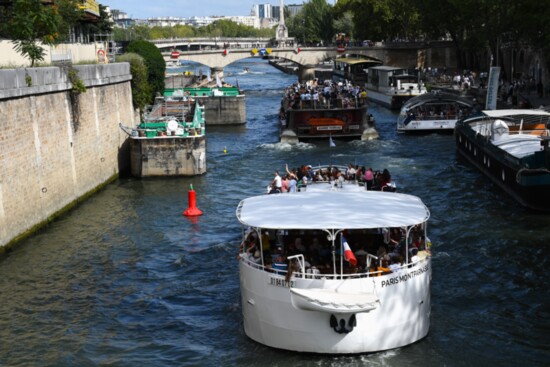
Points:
294	267
309	172
314	248
373	269
359	175
312	271
268	263
395	264
280	265
255	257
339	180
382	251
299	246
383	267
250	246
413	256
266	243
385	182
395	237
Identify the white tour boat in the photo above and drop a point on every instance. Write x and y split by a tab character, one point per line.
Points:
329	303
433	111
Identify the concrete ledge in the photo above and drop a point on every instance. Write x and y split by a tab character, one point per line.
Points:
13	82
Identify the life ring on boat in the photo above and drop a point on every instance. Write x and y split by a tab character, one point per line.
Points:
172	125
102	56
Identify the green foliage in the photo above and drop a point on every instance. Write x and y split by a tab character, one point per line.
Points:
318	21
221	28
78	84
31	24
344	24
141	90
104	25
28	80
156	66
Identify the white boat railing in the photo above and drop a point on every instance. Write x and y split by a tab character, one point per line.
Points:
308	275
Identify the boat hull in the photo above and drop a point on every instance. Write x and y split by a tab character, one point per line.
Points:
504	170
402	316
427	125
318	123
389	100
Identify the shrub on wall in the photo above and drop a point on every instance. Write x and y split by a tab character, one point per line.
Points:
156	67
141	90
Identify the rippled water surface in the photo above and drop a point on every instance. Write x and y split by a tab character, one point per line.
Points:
126	280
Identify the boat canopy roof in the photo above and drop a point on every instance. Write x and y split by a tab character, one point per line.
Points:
332	210
438	97
386	68
353	61
504	113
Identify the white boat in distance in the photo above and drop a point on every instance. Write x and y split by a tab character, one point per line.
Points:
326	304
433	111
392	86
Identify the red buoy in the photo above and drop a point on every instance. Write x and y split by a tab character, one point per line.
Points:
192	210
175	55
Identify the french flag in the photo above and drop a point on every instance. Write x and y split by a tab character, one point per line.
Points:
348	254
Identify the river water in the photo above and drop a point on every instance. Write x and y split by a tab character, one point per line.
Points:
126	280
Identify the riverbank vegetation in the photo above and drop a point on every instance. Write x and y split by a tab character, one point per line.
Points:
220	28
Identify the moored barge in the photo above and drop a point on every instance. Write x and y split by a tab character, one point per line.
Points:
171	141
511	147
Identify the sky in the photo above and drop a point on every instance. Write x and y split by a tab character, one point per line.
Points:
143	9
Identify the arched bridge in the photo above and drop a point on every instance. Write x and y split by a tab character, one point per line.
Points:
438	54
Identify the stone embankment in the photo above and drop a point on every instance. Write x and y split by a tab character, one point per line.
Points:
58	146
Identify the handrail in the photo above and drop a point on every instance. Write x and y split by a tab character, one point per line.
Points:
305	275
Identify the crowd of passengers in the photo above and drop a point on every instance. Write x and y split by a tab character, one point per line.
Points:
429	112
387	245
315	94
297	178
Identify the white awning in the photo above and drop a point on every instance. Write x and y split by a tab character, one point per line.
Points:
332	210
504	113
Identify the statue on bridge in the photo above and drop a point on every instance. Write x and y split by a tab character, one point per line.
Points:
281	34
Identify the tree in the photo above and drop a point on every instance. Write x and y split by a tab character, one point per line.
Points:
318	21
156	66
344	24
31	24
105	24
141	90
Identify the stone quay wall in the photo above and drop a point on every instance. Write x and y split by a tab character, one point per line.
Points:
168	156
56	148
224	110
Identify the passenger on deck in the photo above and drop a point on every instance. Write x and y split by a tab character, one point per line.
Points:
292	184
369	178
385	181
395	265
280	264
276	184
414	256
299	245
383	267
285	182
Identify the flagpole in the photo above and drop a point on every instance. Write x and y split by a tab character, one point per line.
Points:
341	253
